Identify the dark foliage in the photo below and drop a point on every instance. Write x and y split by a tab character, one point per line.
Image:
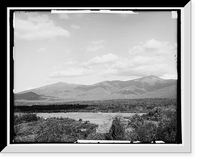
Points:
117	129
50	108
118	105
167	128
25	118
53	130
146	131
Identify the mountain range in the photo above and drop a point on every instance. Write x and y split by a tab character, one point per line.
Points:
145	87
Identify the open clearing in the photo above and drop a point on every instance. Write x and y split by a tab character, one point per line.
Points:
104	120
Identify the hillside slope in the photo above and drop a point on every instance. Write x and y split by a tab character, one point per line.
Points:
28	96
145	87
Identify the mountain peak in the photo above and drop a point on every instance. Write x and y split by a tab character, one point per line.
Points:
60	83
144	87
150	79
151	76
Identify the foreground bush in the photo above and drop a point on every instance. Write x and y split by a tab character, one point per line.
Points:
141	130
167	128
146	133
29	117
117	130
53	130
158	124
96	136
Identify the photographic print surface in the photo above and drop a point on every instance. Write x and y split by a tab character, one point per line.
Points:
95	77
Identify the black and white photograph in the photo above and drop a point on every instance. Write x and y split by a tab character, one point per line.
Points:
107	79
95	77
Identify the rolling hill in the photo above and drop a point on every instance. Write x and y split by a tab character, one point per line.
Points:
28	96
145	87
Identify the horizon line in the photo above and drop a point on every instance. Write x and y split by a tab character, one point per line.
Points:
91	84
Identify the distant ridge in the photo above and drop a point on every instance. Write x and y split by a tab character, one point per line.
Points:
145	87
28	96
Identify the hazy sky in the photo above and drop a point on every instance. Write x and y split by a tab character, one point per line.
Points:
91	47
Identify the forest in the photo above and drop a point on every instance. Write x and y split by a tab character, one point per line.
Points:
118	105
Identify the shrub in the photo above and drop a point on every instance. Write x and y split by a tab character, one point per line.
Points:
25	118
130	135
167	129
136	121
117	130
158	124
154	114
50	131
53	130
147	133
96	136
141	130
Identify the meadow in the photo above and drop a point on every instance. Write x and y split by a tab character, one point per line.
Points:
143	120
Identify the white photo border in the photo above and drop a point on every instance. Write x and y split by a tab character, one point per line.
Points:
186	77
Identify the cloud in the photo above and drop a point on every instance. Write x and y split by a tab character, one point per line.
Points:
149	58
64	16
108	58
70	68
98	42
114	65
138	65
41	49
144	70
136	50
67	64
139	71
108	72
37	27
152	57
153	47
138	60
104	59
95	45
71	72
154	44
75	26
